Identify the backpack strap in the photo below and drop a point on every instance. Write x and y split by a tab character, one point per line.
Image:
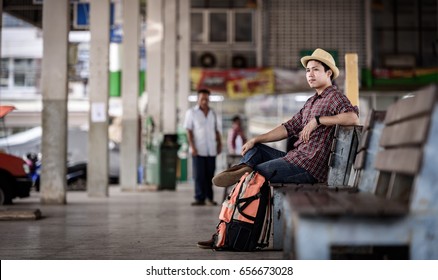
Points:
266	232
247	201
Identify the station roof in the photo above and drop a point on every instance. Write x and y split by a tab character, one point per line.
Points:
25	10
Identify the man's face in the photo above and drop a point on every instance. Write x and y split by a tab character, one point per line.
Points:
316	76
203	99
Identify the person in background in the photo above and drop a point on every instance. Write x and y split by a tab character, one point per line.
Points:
236	137
205	144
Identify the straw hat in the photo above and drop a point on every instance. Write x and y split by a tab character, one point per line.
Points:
322	56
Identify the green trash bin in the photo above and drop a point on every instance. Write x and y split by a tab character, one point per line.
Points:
169	162
162	160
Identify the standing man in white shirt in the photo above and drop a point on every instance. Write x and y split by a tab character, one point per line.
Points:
205	144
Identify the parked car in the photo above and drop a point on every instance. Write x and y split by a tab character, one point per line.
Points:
29	142
14	172
14	179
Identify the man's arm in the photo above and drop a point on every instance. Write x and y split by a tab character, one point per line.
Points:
218	142
348	118
276	134
191	140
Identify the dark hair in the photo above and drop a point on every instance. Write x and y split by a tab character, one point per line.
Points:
203	90
235	118
326	68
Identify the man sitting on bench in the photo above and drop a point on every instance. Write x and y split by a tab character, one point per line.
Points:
312	125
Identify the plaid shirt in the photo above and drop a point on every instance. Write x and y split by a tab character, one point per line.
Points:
313	155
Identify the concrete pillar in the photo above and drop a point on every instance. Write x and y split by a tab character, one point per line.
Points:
56	23
97	170
183	59
154	42
169	94
130	86
1	24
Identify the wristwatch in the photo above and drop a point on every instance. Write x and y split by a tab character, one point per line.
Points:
317	120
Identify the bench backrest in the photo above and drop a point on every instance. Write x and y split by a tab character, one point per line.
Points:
342	154
403	140
365	173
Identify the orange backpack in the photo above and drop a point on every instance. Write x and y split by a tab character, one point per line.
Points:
245	217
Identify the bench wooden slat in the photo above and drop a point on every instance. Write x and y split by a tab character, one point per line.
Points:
367	204
325	204
411	132
333	147
369	121
336	132
403	160
422	102
364	140
311	203
360	160
301	201
373	116
344	203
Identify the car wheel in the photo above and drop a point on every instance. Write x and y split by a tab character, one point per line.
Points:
5	196
2	196
80	184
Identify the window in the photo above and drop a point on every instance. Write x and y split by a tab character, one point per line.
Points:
223	33
219	23
395	23
218	31
19	72
243	27
4	75
196	27
24	72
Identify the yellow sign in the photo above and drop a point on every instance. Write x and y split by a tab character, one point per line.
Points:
237	83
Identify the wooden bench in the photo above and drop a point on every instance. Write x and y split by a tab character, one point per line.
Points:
395	214
342	155
363	172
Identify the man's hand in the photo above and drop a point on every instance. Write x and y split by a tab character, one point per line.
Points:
194	152
219	147
248	146
307	130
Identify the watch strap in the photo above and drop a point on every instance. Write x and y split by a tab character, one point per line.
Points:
317	120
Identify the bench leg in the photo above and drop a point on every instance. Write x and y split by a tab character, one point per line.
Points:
278	220
312	237
288	239
424	242
311	240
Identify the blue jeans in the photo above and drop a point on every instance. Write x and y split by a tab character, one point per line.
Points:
270	163
203	172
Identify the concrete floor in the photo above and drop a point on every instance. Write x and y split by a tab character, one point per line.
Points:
147	225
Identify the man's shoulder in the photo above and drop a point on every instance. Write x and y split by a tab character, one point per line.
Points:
333	92
193	110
